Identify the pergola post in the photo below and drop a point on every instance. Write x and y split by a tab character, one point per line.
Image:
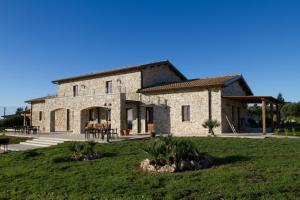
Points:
272	116
264	115
24	119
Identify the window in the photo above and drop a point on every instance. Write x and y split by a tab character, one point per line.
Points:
108	87
40	115
185	112
75	90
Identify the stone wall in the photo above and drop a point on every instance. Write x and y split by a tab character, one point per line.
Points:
77	105
125	83
168	118
36	109
157	75
58	120
233	90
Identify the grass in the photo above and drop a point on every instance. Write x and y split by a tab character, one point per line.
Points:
245	169
14	140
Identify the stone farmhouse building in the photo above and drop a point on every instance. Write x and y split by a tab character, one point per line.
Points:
143	98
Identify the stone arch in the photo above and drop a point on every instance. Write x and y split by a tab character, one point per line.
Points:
61	120
94	114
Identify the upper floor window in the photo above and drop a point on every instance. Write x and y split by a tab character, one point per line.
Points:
185	113
108	87
75	91
40	115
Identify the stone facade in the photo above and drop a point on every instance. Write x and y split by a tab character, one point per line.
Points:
66	112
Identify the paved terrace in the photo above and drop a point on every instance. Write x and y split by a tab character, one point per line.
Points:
50	139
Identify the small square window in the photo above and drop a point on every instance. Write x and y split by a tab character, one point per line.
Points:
185	113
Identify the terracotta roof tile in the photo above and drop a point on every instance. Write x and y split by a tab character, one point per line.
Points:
40	99
122	70
194	83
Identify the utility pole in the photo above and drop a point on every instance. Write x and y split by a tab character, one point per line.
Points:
4	112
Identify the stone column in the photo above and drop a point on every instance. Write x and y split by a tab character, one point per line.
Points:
118	112
77	122
47	122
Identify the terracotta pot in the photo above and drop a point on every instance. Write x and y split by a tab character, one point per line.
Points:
127	132
123	132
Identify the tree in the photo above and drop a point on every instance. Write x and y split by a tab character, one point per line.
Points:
290	111
280	97
19	110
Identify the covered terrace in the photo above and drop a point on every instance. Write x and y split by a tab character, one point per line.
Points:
264	101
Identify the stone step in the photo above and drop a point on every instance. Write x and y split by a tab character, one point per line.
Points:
32	143
54	139
47	141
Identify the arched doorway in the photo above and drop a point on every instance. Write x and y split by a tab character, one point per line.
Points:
61	120
94	115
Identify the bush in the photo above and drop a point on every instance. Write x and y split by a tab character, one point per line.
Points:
83	151
286	132
167	150
277	131
294	132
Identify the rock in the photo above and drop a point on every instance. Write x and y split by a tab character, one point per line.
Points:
207	161
184	165
146	166
195	165
167	169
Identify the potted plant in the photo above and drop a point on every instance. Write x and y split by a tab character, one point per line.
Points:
211	124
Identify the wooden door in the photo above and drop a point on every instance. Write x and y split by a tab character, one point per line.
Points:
149	120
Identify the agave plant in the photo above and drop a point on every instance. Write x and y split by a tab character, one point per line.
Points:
211	124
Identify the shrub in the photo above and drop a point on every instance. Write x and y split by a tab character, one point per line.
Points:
286	132
211	124
294	132
167	150
277	131
83	151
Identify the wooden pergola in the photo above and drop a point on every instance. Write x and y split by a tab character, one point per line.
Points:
264	100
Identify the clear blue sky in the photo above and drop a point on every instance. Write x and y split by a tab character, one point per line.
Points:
45	40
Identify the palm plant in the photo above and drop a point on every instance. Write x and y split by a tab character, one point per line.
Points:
167	150
211	124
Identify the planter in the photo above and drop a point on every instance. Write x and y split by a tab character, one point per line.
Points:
127	132
123	132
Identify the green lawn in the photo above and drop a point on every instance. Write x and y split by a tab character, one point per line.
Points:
245	169
14	140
